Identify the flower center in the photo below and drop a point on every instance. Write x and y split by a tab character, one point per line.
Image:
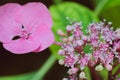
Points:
25	34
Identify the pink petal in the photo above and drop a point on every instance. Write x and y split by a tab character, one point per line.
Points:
7	22
44	36
22	46
34	14
41	39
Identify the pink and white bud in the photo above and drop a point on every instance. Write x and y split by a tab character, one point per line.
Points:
70	49
70	39
108	67
118	33
61	33
61	52
79	42
72	71
69	28
84	37
65	39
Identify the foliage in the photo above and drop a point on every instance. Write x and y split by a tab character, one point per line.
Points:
110	11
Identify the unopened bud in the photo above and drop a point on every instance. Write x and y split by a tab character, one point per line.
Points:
118	33
64	39
82	75
65	79
109	23
61	33
79	42
69	28
84	37
104	20
99	67
72	71
71	38
61	61
61	52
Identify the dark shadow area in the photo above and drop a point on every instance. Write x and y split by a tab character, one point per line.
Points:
11	64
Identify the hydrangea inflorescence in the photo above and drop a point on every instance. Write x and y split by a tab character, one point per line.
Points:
25	28
98	47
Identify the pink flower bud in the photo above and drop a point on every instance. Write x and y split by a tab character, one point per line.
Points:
69	28
65	39
72	71
84	37
61	33
79	42
118	33
71	38
61	52
108	67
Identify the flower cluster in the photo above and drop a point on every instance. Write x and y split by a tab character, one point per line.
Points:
96	47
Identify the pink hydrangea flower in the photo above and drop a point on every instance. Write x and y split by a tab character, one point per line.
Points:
30	24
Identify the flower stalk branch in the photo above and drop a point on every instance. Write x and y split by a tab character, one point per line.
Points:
44	69
94	73
100	7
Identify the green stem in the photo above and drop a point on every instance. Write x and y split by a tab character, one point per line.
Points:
100	7
88	74
44	69
57	1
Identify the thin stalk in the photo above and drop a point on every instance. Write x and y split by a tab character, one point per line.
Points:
95	76
44	69
58	43
110	76
100	7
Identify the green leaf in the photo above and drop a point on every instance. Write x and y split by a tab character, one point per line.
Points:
72	10
104	74
88	74
111	12
116	69
96	2
26	76
100	6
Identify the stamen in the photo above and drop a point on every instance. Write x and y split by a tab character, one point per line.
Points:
22	27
